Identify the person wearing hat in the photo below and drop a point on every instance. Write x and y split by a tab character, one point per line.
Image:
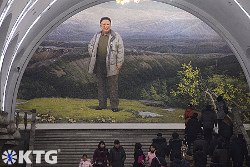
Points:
117	155
107	56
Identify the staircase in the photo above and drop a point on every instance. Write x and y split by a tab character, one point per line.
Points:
73	143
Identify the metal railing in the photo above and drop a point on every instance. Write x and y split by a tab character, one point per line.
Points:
32	127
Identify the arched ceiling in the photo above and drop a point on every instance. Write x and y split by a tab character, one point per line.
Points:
24	24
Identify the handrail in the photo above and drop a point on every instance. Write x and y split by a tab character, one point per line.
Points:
32	129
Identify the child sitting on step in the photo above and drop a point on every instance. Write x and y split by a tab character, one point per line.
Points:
85	162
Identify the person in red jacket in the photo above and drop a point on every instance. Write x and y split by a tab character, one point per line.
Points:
188	113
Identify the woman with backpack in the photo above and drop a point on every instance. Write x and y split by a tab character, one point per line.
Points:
139	157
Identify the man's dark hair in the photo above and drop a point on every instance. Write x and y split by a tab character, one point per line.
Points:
105	18
116	142
175	135
138	146
159	134
84	155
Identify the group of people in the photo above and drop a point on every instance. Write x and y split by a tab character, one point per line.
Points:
116	157
103	158
202	139
180	152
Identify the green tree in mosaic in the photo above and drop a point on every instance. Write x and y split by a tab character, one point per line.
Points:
189	87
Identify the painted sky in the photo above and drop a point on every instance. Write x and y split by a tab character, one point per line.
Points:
144	18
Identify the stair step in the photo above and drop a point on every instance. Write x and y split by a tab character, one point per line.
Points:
73	143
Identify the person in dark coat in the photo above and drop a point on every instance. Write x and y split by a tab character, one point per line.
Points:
158	161
177	162
220	157
213	144
222	110
200	142
175	147
161	145
226	131
139	157
117	155
101	155
208	120
238	151
200	157
192	129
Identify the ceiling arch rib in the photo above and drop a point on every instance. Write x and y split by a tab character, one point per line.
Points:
7	61
4	30
14	72
5	10
18	8
3	4
244	7
29	16
248	53
1	1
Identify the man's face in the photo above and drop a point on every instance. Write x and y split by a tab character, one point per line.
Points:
105	26
117	145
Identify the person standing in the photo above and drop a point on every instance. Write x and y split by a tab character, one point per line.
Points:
175	144
208	120
222	111
192	129
107	56
139	157
117	155
160	143
200	157
101	155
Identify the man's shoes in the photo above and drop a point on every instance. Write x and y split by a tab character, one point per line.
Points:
100	108
115	109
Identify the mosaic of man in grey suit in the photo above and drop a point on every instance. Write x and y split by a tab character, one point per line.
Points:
107	56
